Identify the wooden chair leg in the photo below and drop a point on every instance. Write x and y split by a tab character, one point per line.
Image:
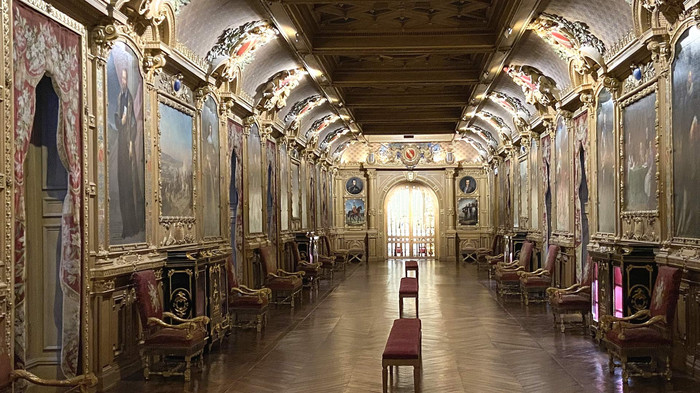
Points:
384	379
400	306
416	306
188	368
416	379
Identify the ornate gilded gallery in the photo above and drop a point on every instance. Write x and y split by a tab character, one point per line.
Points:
191	186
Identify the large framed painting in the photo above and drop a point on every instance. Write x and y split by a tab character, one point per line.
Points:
210	168
686	135
235	134
507	193
296	191
638	142
305	179
534	186
324	199
284	188
176	159
255	180
271	191
354	212
125	146
523	188
502	197
562	175
605	155
468	210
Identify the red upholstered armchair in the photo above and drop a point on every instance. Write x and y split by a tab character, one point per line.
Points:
311	270
244	301
533	285
507	279
185	339
575	299
325	257
285	286
484	256
340	254
626	339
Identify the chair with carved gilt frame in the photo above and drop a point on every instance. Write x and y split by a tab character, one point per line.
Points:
507	278
185	339
575	299
285	286
312	271
244	301
483	255
325	257
340	254
626	339
533	285
8	376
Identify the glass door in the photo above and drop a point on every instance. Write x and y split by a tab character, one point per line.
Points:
411	211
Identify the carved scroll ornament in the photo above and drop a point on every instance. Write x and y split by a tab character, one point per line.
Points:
320	125
278	89
301	108
332	137
573	41
492	143
236	47
539	89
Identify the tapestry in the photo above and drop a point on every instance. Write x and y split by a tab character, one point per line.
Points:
42	46
605	151
534	186
176	162
324	199
235	151
311	170
271	197
562	175
255	181
284	188
580	171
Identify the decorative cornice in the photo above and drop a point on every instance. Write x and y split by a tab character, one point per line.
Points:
278	89
236	47
539	89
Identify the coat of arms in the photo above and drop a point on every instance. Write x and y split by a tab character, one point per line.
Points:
410	155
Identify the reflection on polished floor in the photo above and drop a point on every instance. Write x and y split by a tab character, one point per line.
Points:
471	343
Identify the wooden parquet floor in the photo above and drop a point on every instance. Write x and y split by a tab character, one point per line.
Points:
472	342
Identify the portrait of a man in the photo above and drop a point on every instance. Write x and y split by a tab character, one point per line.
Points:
467	184
125	154
354	185
686	135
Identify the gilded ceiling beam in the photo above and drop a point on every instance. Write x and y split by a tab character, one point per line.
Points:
418	77
384	44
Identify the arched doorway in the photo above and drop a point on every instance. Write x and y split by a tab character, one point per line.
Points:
411	218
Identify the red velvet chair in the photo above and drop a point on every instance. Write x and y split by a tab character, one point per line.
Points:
185	339
340	254
533	285
507	279
325	257
626	339
484	255
312	271
285	286
246	302
575	299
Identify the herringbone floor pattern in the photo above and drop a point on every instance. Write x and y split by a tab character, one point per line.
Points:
472	342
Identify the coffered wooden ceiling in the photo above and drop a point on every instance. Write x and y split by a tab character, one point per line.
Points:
401	67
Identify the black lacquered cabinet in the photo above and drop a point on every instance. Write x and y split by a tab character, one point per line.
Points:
195	284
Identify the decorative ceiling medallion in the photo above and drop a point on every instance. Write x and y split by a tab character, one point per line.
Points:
410	155
278	89
301	108
332	137
573	41
539	89
236	47
320	125
483	134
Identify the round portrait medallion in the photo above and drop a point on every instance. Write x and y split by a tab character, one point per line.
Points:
467	184
354	185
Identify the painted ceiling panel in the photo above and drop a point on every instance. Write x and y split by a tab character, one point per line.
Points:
533	51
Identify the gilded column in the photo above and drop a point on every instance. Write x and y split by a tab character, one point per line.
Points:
372	198
450	200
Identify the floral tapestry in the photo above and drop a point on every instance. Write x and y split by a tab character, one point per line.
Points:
41	47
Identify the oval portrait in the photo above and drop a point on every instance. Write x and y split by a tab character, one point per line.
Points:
354	185
467	184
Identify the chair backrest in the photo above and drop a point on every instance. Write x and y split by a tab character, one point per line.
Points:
324	248
665	294
525	254
552	253
494	243
148	295
294	250
269	259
